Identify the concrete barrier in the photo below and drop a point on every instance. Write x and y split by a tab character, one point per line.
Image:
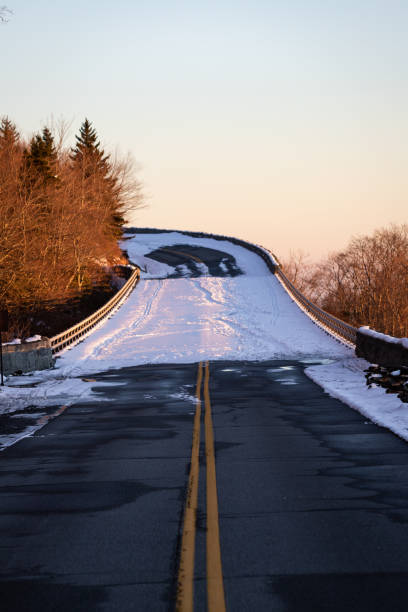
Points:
381	349
27	356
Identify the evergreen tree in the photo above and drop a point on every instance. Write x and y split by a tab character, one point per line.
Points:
41	158
87	152
98	180
9	136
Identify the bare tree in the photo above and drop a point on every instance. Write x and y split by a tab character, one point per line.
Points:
365	284
297	268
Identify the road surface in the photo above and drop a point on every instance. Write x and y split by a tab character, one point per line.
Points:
300	504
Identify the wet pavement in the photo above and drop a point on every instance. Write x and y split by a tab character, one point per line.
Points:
313	499
186	257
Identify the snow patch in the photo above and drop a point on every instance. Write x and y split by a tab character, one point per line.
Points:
384	337
345	380
150	268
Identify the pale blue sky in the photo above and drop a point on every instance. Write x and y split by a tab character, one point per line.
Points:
284	122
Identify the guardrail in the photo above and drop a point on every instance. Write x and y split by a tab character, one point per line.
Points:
76	332
329	322
341	330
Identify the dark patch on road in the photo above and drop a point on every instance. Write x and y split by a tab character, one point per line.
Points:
181	256
71	497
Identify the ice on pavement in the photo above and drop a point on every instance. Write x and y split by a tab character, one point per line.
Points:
185	320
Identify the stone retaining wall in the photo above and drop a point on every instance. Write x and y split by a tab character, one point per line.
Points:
27	356
381	349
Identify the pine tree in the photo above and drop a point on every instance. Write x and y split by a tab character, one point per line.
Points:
97	175
41	158
87	152
9	136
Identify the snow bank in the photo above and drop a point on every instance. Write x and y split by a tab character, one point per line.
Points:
384	337
35	338
345	380
52	389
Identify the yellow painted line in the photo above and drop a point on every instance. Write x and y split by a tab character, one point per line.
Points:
185	583
215	585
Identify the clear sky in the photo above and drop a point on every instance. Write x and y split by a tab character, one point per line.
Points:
280	121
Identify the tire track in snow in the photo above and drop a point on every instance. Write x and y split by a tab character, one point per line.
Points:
199	284
118	336
232	323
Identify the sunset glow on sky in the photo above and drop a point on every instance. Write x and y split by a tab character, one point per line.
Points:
280	121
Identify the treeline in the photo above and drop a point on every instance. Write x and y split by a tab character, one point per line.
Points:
364	284
61	214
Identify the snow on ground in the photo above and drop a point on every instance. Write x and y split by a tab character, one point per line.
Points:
344	379
151	268
185	320
41	389
190	319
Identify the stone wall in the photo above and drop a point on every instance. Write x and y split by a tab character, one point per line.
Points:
381	349
27	356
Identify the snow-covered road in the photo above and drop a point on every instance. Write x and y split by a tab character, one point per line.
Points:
248	316
188	320
167	320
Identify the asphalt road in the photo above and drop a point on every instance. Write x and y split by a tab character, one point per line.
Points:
310	512
312	498
188	256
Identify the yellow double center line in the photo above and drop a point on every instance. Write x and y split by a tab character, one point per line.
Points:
185	585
